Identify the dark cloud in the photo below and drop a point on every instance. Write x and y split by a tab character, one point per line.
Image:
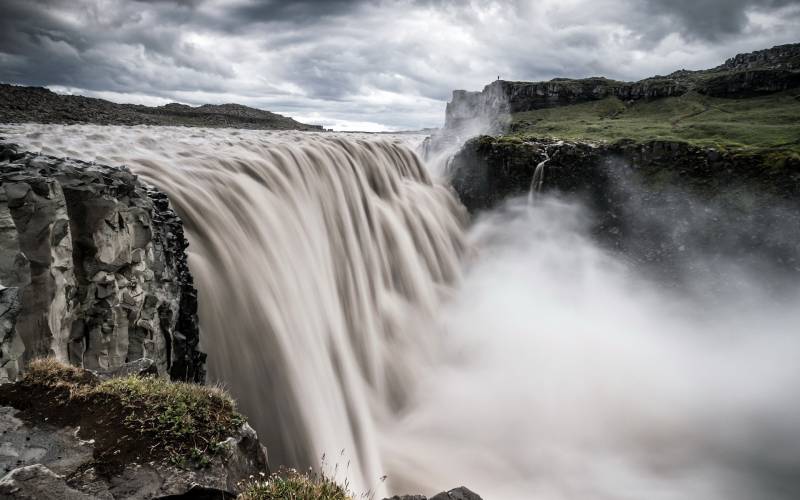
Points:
297	12
122	49
389	61
711	19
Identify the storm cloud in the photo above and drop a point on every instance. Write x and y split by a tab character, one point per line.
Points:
365	64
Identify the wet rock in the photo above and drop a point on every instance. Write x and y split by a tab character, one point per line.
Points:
488	170
93	269
37	482
639	196
460	493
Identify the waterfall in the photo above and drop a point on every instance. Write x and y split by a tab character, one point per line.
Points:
317	258
537	183
346	307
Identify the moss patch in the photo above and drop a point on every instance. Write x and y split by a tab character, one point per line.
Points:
131	419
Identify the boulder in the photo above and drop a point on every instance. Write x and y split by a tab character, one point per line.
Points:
460	493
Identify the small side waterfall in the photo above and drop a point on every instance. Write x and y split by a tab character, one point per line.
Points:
537	183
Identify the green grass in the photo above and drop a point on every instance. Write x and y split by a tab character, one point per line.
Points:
181	422
292	485
187	420
771	121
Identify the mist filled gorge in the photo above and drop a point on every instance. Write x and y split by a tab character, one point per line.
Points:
399	250
355	310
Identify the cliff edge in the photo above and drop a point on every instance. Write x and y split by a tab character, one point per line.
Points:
93	270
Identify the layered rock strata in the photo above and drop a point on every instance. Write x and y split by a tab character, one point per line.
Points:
93	270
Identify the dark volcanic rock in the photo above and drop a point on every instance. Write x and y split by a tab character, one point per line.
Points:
656	202
750	83
93	270
488	170
20	104
778	57
460	493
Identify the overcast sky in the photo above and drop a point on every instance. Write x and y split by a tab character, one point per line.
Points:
367	65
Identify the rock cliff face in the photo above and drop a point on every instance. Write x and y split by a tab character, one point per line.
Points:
488	170
778	57
93	270
642	197
761	72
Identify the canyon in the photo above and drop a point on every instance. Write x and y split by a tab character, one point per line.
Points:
574	288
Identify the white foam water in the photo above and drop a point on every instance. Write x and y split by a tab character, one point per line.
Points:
346	307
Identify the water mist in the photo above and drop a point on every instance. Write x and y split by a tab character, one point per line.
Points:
346	307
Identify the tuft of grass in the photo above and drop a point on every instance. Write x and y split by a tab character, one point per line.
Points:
288	484
52	373
188	421
144	417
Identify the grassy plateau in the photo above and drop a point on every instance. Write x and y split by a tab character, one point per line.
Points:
765	122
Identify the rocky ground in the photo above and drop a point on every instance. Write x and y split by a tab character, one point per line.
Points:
74	434
70	433
19	104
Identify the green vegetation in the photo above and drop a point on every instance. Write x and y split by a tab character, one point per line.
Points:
292	485
187	420
771	121
133	416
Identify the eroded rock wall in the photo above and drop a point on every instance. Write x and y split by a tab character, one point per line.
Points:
92	270
488	170
657	202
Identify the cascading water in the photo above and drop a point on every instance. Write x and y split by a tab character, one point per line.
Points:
537	182
316	259
338	306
